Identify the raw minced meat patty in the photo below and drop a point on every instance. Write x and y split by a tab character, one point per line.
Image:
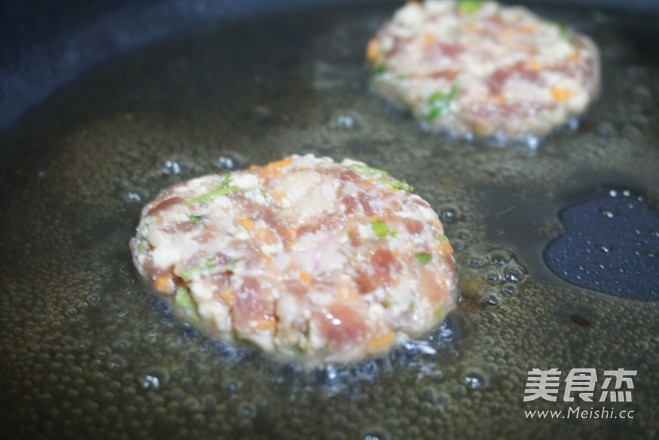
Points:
306	258
482	68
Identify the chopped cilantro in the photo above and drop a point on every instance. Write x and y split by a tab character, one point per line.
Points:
439	102
470	6
379	69
381	229
380	176
195	218
423	258
189	273
438	314
225	188
185	303
563	29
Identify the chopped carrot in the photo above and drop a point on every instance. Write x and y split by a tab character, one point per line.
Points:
574	56
475	29
247	223
380	342
228	296
534	66
266	323
273	169
499	99
265	257
444	245
528	28
254	168
164	284
347	292
266	236
561	94
306	277
373	50
428	39
279	196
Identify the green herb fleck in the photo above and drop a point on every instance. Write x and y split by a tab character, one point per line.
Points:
380	176
438	314
470	6
140	246
225	188
195	218
189	273
379	69
387	303
423	258
440	101
381	229
185	304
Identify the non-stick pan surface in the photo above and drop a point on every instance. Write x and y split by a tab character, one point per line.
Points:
87	352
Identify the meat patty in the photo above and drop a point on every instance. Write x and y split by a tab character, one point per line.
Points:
482	68
306	258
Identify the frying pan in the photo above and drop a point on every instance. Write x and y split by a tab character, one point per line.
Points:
105	105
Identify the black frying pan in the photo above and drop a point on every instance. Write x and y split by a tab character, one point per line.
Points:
174	90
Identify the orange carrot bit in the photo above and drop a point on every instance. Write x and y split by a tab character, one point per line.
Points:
247	223
254	169
164	284
265	257
380	342
561	94
534	66
373	50
273	169
306	277
347	292
574	56
444	245
266	323
266	236
475	29
228	296
428	39
499	99
529	28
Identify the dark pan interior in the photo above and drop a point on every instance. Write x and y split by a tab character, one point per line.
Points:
87	352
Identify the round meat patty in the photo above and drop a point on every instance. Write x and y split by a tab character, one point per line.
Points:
482	68
306	258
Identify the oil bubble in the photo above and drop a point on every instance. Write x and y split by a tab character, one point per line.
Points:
116	362
603	247
170	168
509	289
491	300
608	211
500	258
513	275
227	162
492	277
448	214
346	121
474	381
132	197
374	435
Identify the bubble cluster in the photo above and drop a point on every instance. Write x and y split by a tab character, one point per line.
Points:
88	353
